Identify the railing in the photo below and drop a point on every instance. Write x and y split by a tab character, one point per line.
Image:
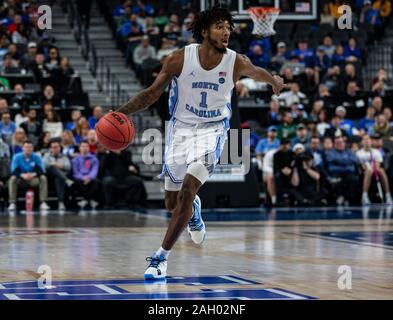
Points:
107	81
379	57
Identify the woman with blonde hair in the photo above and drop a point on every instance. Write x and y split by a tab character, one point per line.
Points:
68	144
18	138
382	126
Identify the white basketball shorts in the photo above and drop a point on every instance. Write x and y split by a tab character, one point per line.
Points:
187	143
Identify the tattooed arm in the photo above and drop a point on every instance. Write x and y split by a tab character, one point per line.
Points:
245	68
172	66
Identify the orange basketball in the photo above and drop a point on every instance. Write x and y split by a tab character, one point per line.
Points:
115	131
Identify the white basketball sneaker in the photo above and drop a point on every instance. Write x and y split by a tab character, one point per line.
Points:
156	269
196	227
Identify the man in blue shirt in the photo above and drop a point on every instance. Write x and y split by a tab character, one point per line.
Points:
305	55
269	143
342	170
7	127
97	114
27	169
345	124
367	123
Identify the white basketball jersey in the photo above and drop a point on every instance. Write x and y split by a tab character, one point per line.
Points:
198	95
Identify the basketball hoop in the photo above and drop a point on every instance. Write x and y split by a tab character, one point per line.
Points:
264	19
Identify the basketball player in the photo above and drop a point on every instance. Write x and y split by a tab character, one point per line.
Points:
202	77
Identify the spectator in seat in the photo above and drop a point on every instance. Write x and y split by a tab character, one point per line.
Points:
28	169
3	106
273	115
382	127
258	57
117	168
50	96
7	127
317	106
18	138
326	17
302	136
366	124
81	130
85	171
53	60
32	127
315	149
384	7
338	58
282	168
307	182
371	161
52	124
143	52
75	116
22	116
388	114
300	113
332	79
65	68
58	167
43	142
321	64
292	96
334	130
380	83
371	17
95	117
92	140
377	104
151	29
173	27
304	53
20	99
68	144
269	143
352	91
281	57
328	47
28	59
287	130
322	123
351	75
8	67
13	54
39	68
351	52
346	124
342	169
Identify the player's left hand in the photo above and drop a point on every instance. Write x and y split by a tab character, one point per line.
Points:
278	85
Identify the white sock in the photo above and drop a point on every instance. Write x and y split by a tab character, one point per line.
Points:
388	195
162	253
274	199
365	194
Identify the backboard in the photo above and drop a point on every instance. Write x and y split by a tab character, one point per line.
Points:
289	9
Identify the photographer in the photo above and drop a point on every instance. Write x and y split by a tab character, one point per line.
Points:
307	181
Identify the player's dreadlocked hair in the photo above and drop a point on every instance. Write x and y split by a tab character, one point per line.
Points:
203	20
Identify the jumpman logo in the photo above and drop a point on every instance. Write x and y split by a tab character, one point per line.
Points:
192	74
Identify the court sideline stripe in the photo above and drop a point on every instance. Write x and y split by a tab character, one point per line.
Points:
235	280
105	288
287	294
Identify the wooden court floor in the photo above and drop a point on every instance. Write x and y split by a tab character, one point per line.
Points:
248	254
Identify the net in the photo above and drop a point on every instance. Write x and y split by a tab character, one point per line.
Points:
264	19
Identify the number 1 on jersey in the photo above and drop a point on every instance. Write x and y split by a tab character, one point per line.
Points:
204	98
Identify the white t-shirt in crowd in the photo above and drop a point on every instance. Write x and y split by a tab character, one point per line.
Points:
365	156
